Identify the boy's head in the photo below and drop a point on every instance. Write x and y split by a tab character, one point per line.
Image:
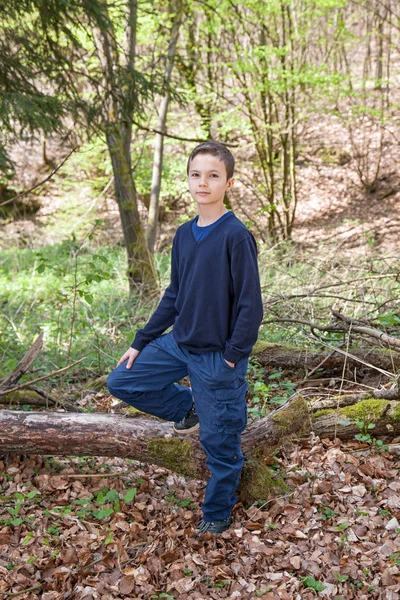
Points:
219	151
210	173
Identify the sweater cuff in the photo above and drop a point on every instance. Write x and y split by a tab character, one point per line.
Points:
232	356
138	343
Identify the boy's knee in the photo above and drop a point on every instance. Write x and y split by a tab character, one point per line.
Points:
114	386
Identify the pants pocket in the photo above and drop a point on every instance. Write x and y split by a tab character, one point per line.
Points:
231	409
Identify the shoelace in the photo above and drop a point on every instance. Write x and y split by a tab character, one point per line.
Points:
203	526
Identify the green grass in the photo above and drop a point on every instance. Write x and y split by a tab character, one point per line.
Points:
307	285
32	302
37	290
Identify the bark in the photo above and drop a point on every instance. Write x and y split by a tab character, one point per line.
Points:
288	357
159	140
24	364
341	423
140	263
118	101
146	440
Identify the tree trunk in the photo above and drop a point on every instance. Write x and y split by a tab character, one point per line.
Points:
140	263
159	141
147	440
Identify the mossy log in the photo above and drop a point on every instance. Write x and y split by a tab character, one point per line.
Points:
283	356
19	397
152	441
384	414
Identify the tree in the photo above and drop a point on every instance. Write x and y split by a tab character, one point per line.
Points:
78	58
176	8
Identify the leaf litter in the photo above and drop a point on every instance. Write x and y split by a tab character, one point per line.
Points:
109	529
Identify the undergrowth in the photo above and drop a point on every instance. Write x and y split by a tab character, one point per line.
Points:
47	289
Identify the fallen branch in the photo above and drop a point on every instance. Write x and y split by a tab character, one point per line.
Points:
388	340
29	383
350	399
24	364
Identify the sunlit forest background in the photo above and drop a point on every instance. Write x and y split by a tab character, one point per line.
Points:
101	102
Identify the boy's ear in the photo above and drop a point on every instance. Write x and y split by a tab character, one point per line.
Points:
230	183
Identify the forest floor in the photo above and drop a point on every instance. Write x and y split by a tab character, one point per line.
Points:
111	529
106	529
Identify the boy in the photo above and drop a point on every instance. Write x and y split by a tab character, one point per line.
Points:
214	303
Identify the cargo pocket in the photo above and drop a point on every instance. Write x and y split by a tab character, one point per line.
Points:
231	409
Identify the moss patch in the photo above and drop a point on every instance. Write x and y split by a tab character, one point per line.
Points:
296	412
396	412
259	483
322	413
370	410
175	454
131	412
21	397
261	345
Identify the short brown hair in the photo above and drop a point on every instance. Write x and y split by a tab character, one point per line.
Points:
216	149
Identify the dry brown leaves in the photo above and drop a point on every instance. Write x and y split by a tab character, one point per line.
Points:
63	536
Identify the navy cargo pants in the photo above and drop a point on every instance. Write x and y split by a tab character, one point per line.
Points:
219	393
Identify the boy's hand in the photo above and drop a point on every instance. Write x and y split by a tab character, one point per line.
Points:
130	356
230	364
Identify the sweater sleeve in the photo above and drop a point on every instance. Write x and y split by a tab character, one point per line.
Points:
165	313
247	294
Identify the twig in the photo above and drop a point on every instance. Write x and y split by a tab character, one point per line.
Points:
342	379
24	363
25	591
29	383
307	377
41	182
390	341
356	358
92	475
56	401
176	137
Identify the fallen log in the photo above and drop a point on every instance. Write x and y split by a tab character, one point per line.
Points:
283	356
349	399
341	422
151	441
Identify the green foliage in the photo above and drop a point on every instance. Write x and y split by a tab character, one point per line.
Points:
265	396
37	294
310	582
185	503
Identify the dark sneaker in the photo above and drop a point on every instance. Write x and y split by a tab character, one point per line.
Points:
213	527
189	423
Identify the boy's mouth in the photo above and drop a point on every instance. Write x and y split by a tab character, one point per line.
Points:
203	193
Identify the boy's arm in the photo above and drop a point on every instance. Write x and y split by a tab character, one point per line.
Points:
247	292
165	313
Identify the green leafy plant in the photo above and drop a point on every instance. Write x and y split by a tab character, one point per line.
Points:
364	435
340	578
310	582
327	512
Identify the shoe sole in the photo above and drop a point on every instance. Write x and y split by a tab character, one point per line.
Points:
186	431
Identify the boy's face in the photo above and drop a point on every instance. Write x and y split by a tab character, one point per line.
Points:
208	180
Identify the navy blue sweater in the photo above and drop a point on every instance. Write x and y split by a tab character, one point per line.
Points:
214	298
